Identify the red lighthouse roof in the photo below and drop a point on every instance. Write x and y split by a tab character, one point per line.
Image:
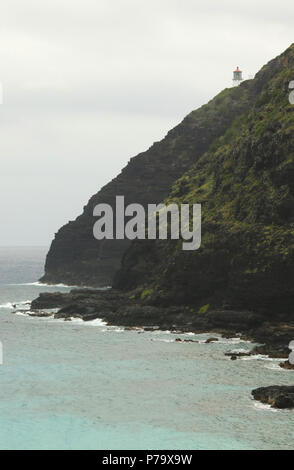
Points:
237	70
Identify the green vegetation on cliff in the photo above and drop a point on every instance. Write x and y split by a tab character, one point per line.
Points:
245	183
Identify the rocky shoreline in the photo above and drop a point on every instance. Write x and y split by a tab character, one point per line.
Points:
131	310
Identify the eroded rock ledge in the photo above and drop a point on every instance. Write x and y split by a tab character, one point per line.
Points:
277	396
131	310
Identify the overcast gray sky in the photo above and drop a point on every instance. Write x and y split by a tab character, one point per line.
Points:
90	83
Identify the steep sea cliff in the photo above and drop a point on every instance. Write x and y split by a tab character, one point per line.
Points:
239	153
75	257
240	150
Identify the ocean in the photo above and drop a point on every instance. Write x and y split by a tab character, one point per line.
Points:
76	385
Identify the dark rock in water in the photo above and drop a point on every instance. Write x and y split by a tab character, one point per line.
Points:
185	340
274	351
277	396
211	340
287	365
235	355
49	300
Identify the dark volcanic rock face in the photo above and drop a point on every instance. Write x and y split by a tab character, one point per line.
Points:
277	396
75	257
287	365
241	279
245	186
49	300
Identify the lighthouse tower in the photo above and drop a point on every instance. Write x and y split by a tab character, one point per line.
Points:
237	77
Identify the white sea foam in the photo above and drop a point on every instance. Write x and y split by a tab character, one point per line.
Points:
32	314
24	305
264	407
7	305
220	340
80	321
75	320
255	357
22	314
239	351
276	367
233	341
97	322
163	340
260	357
41	284
179	333
162	332
110	328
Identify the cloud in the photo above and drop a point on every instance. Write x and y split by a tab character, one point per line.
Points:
90	83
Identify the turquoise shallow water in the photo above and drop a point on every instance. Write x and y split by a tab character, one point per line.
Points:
71	385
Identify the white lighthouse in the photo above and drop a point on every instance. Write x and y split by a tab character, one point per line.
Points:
237	77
